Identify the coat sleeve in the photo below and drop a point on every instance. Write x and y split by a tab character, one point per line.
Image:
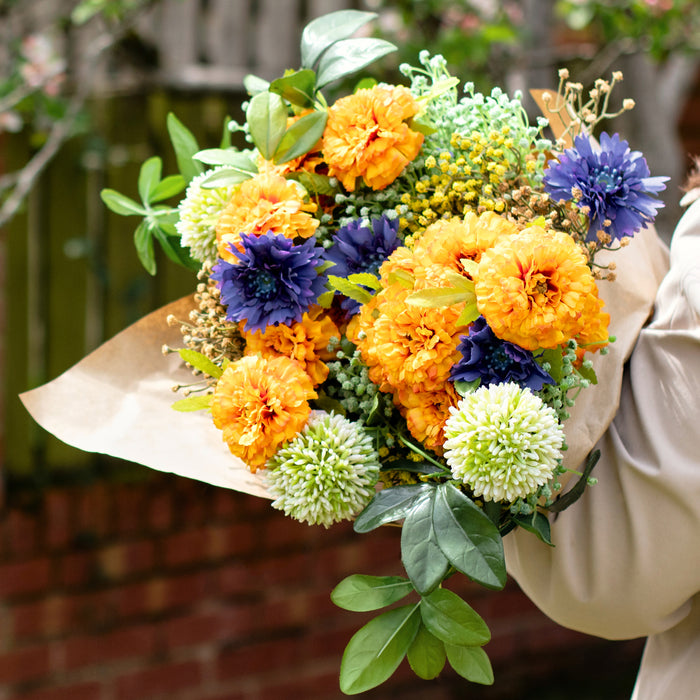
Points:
626	560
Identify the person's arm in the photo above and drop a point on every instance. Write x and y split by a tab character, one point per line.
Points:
627	554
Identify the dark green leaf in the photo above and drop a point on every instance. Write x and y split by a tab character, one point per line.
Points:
172	248
149	177
348	56
200	362
588	373
226	134
536	523
362	593
376	650
121	204
320	33
463	387
426	655
297	88
471	663
301	136
554	358
579	487
144	247
168	187
468	538
452	620
193	403
389	505
267	122
185	146
421	556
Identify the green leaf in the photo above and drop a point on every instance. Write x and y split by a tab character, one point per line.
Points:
469	314
353	291
459	281
321	33
169	241
421	555
426	655
121	204
224	178
193	403
149	177
588	373
236	160
313	182
253	84
553	357
167	188
361	593
471	663
468	538
408	465
267	122
325	300
297	87
376	650
405	279
349	56
571	496
438	297
366	279
452	620
537	524
185	146
463	387
301	136
200	362
143	241
389	505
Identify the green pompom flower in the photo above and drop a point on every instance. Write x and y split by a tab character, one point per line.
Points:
199	211
326	474
503	442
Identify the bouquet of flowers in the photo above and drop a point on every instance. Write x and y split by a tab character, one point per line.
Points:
398	305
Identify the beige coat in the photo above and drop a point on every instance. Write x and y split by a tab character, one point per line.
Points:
627	557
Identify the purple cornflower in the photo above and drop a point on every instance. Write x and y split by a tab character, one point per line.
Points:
274	280
358	248
613	182
494	361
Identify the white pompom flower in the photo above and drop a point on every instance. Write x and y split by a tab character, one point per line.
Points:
199	211
327	473
503	442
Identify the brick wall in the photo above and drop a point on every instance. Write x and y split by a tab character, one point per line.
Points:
172	588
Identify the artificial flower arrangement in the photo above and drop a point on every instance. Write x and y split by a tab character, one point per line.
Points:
397	308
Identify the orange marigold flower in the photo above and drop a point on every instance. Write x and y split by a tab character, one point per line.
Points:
426	412
533	288
367	136
306	342
407	346
266	202
594	335
259	404
448	242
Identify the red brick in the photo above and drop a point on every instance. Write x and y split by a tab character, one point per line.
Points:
94	517
236	579
30	663
46	618
74	691
160	512
199	628
129	642
59	509
261	658
76	569
22	533
185	548
130	504
25	577
316	686
233	540
122	560
158	680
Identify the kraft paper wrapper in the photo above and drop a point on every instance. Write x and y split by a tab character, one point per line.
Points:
117	401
